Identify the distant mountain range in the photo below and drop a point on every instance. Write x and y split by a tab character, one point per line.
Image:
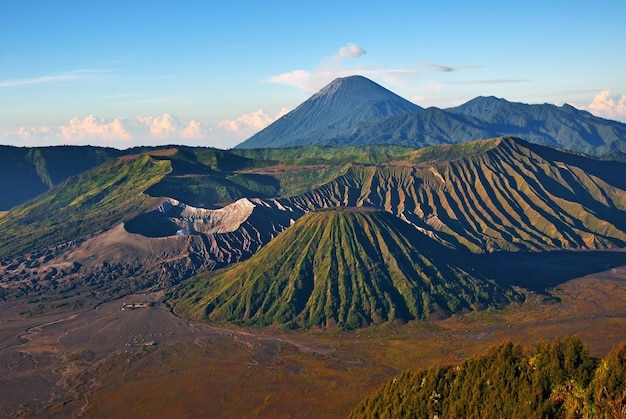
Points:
356	111
350	111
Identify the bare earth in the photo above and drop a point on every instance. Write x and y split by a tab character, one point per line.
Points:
106	360
40	354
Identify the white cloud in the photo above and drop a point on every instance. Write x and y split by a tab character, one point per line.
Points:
93	128
307	81
89	130
161	126
329	69
351	51
251	123
608	105
195	129
335	66
144	130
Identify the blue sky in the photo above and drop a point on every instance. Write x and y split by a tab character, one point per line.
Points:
194	72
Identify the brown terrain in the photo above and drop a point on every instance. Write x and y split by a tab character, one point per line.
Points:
132	357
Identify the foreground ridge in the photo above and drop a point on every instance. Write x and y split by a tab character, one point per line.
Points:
552	379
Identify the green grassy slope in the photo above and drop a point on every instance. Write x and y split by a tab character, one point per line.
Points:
90	202
341	267
490	195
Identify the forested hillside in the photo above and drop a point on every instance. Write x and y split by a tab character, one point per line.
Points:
559	379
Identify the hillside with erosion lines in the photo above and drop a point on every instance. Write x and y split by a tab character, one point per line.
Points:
349	268
510	195
109	228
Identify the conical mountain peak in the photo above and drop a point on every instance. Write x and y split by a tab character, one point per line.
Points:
349	268
356	89
332	113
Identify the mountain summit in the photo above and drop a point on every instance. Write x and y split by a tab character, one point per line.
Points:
355	111
332	113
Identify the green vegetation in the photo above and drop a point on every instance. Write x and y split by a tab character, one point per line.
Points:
299	180
450	152
199	190
90	202
349	268
263	185
35	157
559	379
299	156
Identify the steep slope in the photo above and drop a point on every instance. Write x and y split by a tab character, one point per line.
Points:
27	172
227	235
330	113
151	251
563	127
160	217
499	194
109	230
85	204
341	267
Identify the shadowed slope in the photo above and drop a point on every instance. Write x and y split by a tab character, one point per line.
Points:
354	111
349	268
26	172
556	126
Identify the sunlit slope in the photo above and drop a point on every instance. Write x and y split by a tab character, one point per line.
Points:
341	267
85	204
558	379
499	194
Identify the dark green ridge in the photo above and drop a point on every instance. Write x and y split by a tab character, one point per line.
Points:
26	172
346	268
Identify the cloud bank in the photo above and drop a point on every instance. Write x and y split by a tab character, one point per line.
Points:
251	123
608	105
144	130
